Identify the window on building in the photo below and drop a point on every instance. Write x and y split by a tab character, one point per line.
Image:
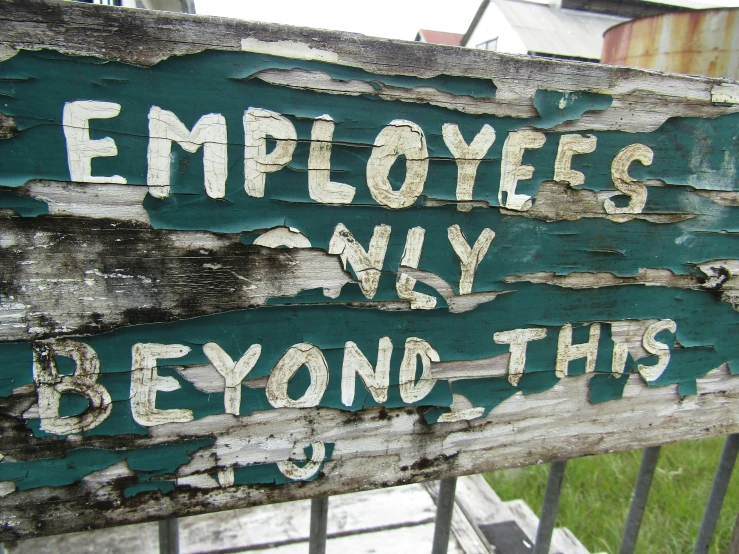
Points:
491	44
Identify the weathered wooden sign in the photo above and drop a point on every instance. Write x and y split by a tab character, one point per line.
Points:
244	263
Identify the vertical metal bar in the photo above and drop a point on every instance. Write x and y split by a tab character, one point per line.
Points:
639	499
169	537
718	491
318	525
549	507
444	511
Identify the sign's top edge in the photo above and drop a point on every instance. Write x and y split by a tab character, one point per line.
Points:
143	37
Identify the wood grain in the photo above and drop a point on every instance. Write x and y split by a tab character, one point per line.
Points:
393	312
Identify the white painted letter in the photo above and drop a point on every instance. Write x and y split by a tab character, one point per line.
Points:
50	385
468	157
410	390
636	191
518	339
566	351
226	476
302	473
620	356
282	236
258	125
399	138
367	264
145	382
404	283
232	372
320	187
209	132
376	381
568	146
469	258
298	355
81	149
511	170
660	349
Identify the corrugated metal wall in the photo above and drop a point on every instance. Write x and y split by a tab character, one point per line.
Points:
704	42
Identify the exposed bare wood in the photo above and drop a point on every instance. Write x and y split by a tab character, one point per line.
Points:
553	218
511	431
70	276
643	100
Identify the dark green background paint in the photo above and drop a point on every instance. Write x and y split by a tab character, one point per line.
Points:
689	154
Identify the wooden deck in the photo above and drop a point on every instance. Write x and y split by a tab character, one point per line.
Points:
399	519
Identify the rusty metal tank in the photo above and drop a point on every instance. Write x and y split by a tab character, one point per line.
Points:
698	42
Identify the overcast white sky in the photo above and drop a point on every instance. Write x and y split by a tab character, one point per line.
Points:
399	19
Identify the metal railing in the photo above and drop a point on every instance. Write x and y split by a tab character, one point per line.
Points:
550	505
169	541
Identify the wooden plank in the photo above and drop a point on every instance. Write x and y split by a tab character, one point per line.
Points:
409	510
482	506
282	524
464	529
379	542
391	513
141	537
226	246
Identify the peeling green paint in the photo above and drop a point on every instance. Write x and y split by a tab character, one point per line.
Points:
558	107
163	487
705	331
690	155
679	158
78	463
25	207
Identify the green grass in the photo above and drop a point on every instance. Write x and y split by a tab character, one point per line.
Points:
597	491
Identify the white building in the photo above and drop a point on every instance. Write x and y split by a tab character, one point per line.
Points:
183	6
567	29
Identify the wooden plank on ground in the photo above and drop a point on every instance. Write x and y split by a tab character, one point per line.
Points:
371	521
358	522
483	508
464	528
245	264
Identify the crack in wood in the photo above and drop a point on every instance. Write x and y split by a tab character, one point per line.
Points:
65	275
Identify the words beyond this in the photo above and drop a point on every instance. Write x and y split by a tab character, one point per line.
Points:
146	383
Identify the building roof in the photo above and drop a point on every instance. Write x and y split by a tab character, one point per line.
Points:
628	8
554	31
439	37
